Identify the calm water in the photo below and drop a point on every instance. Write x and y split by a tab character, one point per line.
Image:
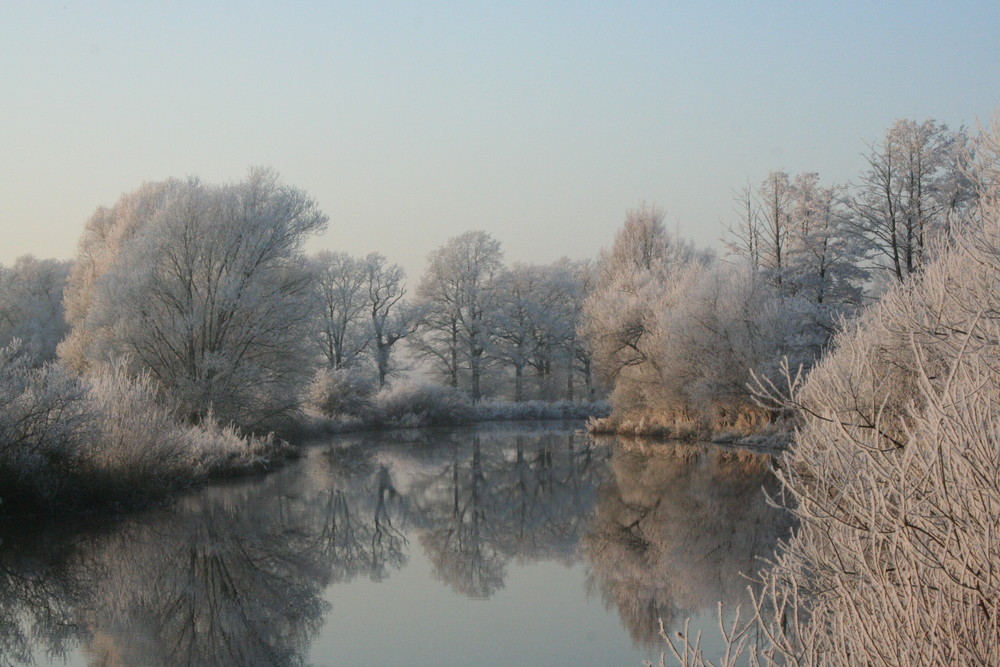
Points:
491	546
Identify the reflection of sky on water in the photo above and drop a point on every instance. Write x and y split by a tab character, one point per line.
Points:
487	546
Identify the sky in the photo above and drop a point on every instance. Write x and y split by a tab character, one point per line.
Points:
412	122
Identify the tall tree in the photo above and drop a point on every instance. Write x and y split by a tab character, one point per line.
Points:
774	202
794	231
204	288
31	304
518	315
392	319
459	290
340	281
824	258
912	190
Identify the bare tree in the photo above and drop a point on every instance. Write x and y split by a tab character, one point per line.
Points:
459	291
340	284
392	318
912	190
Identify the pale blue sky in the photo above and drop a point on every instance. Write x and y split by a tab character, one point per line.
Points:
411	122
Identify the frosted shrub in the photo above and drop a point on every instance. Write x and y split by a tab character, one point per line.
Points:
143	448
340	392
137	445
421	403
107	439
43	420
224	451
897	477
682	347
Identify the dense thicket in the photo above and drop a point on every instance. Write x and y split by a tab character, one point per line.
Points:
679	334
69	441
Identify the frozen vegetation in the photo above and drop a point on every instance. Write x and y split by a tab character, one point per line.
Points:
342	400
894	474
105	439
192	326
681	336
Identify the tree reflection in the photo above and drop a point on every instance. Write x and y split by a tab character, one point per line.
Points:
362	516
212	585
679	529
232	575
493	502
240	573
39	595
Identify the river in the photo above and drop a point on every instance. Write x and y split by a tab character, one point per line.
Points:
495	545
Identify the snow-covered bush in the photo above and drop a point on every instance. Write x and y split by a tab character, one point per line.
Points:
420	403
44	417
342	392
68	442
134	445
681	345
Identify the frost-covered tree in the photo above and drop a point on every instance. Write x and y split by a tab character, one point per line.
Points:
794	232
619	316
343	323
642	244
774	202
391	317
518	316
205	288
31	304
572	283
459	291
913	190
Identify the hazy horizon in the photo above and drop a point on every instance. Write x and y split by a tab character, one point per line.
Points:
410	124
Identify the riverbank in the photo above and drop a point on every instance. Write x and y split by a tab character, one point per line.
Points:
417	405
752	431
106	443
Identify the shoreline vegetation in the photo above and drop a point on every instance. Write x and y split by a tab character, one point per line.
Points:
893	476
106	442
766	434
852	331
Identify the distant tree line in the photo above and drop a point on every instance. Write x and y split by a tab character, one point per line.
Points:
474	323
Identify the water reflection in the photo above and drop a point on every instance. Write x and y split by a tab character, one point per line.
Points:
503	497
244	573
678	529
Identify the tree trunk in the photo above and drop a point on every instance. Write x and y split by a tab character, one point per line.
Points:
382	359
569	379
